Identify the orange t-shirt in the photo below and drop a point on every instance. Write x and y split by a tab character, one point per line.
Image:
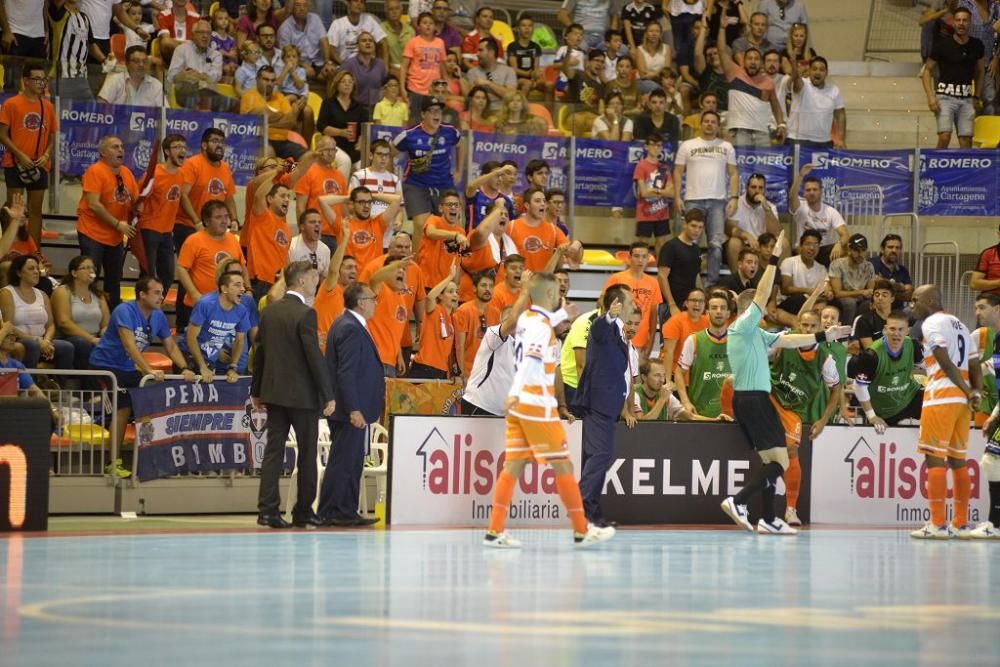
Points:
678	328
434	257
248	220
387	325
479	260
535	244
23	247
321	180
365	242
163	201
24	120
646	293
437	340
329	305
470	326
100	180
503	297
201	255
278	103
416	287
268	247
207	182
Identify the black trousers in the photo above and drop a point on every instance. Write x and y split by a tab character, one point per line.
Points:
338	499
306	425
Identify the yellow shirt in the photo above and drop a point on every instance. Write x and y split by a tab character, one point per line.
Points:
252	99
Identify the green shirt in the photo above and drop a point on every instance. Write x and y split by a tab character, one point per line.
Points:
709	368
577	337
396	43
747	347
798	382
891	385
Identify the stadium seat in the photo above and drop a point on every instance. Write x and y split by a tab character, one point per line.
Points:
379	448
212	9
127	293
170	298
542	112
118	47
315	102
986	132
599	258
158	361
296	138
502	31
226	89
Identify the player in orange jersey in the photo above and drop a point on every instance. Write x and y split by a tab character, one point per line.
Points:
534	431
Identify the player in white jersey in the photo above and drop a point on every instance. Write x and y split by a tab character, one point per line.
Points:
950	398
534	431
492	371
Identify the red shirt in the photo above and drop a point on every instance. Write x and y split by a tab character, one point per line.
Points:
989	265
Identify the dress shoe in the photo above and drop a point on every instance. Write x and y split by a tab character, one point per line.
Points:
307	521
604	523
350	521
272	521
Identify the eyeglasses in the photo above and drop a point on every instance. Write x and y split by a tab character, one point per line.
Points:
37	79
366	298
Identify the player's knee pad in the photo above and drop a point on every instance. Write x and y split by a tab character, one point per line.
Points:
990	466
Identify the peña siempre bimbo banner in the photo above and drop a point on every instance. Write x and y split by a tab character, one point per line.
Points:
244	137
82	125
442	471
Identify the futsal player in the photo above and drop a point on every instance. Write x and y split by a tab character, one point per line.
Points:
534	431
747	347
988	310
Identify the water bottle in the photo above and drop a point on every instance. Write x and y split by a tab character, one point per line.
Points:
380	510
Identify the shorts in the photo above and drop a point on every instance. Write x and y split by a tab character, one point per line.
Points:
14	181
911	411
956	112
646	228
755	413
528	440
420	200
126	380
944	430
790	422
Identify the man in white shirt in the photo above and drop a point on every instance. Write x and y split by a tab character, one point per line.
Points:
816	106
195	69
100	13
22	33
709	163
308	246
304	30
344	32
801	274
818	216
133	87
754	216
492	371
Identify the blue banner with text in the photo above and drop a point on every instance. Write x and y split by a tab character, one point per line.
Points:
848	176
82	125
959	182
244	137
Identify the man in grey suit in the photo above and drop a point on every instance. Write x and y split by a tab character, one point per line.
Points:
291	379
359	392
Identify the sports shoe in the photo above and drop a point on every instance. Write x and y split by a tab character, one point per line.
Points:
776	527
792	517
738	513
594	535
931	532
117	469
964	532
501	541
984	531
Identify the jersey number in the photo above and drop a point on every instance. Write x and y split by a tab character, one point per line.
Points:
961	351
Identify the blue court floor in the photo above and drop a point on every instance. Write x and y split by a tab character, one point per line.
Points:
414	598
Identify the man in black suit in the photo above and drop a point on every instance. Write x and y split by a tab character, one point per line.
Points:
291	380
359	390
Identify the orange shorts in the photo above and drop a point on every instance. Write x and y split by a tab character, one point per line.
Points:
790	422
944	430
541	441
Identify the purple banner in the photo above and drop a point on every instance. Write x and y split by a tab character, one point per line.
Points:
959	182
842	171
244	137
82	125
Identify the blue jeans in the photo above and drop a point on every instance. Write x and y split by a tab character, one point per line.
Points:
63	357
682	28
160	257
715	232
108	259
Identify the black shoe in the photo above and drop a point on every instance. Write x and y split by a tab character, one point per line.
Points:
272	521
350	521
365	521
307	521
604	523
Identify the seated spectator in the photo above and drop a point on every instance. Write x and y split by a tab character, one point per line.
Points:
224	41
423	63
869	326
679	262
636	17
478	116
304	30
514	117
219	322
282	115
754	216
657	120
8	361
625	83
744	276
391	109
195	69
291	79
27	308
492	74
175	27
368	70
986	276
448	33
80	311
678	327
781	15
259	12
245	78
436	358
797	51
817	215
852	278
341	115
888	266
570	57
482	30
267	39
612	125
755	38
307	246
692	124
525	57
802	273
449	91
344	33
651	57
583	85
397	33
133	87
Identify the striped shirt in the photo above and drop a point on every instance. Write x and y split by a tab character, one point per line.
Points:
536	354
749	99
942	330
71	33
378	182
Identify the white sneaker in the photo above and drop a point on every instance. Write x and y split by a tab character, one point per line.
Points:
594	535
738	513
777	527
792	517
501	541
931	532
984	531
964	532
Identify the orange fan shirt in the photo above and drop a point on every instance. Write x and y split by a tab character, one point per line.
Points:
434	258
117	199
278	103
470	326
365	241
163	200
503	297
387	325
268	247
245	233
207	182
329	305
678	328
536	244
437	340
30	124
321	180
646	294
201	255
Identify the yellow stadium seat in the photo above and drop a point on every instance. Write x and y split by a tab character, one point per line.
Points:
84	434
986	132
501	30
214	7
599	258
226	89
315	102
127	293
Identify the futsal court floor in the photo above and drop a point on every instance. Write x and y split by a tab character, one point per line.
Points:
437	597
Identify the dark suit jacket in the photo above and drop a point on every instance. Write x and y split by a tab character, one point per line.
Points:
288	367
354	365
602	387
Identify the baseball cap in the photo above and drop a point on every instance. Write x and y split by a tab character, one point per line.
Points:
431	102
857	241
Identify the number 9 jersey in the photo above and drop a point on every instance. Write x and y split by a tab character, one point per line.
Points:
945	331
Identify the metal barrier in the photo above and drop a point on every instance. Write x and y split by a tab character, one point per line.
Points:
964	307
892	28
861	207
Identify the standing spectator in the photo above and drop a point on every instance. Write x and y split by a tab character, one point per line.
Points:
505	293
593	16
728	17
259	12
984	15
636	16
472	320
712	162
22	34
397	34
555	207
801	274
498	78
653	190
936	22
281	115
958	94
684	14
267	248
625	83
28	130
175	27
436	358
679	326
431	168
219	322
359	396
80	311
341	115
754	216
100	13
133	87
538	240
323	178
752	102
72	40
195	69
888	266
202	253
657	121
492	372
344	32
306	246
483	191
27	308
525	57
423	63
744	276
158	205
109	190
445	239
645	294
364	240
304	30
711	75
816	107
781	16
817	215
756	38
329	302
378	176
852	279
448	33
289	347
986	276
368	70
395	303
679	262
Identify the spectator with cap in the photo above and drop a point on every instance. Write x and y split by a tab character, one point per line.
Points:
887	265
781	15
852	279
